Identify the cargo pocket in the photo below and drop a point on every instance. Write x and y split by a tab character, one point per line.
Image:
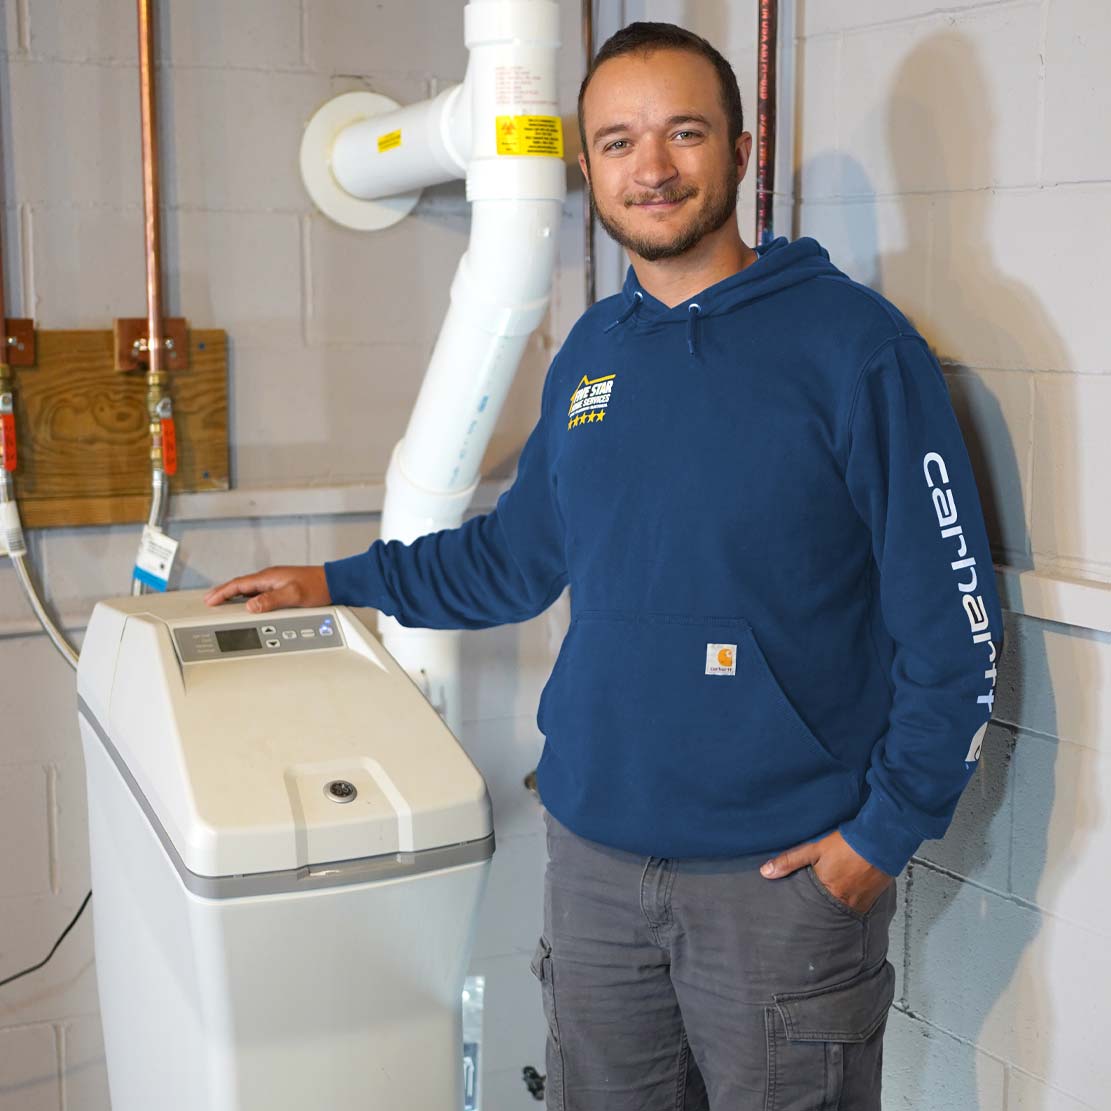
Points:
826	1042
541	966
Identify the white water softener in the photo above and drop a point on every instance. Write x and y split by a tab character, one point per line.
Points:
288	852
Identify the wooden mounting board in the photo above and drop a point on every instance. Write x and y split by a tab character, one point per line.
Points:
83	435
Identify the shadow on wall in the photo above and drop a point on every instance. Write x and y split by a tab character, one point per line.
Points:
973	961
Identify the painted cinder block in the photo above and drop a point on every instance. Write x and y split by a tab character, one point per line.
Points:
504	669
259	33
977	844
823	17
1077	92
925	1068
878	241
29	1069
1072	458
25	822
1062	828
404	272
71	249
1056	680
38	719
911	132
505	750
512	912
232	140
236	270
74	135
64	987
1021	985
995	410
1005	298
1025	1093
353	37
84	1073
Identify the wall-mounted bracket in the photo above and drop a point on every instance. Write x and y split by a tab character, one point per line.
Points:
20	333
131	334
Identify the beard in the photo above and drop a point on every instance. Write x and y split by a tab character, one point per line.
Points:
719	205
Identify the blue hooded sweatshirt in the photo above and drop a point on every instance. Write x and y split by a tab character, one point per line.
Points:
784	619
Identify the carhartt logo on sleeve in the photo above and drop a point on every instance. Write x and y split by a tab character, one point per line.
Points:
721	659
590	400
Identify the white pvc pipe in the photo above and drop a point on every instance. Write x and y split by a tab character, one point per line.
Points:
501	128
499	295
418	145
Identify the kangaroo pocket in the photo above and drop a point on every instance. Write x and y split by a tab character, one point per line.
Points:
678	724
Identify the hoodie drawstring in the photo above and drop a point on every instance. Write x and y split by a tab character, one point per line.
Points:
694	310
637	298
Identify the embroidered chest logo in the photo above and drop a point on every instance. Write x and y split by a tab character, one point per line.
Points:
589	401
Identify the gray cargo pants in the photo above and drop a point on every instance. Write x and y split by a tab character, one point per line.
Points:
687	985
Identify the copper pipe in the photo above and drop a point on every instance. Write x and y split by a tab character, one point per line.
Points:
768	37
152	228
588	208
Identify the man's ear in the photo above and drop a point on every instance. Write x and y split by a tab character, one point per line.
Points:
584	166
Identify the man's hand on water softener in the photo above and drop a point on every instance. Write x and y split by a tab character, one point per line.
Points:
275	588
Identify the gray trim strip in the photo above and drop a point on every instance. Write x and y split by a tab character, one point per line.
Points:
337	873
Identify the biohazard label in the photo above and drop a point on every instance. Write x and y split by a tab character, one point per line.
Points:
590	400
389	141
721	659
541	135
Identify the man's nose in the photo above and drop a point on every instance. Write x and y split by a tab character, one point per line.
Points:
654	167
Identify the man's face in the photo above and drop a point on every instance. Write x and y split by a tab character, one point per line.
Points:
661	170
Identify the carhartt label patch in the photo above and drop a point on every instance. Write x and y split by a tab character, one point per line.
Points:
721	659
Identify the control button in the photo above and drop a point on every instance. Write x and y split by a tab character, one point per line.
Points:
268	630
327	631
273	642
289	634
307	633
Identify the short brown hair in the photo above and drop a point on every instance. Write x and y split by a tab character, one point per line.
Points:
644	38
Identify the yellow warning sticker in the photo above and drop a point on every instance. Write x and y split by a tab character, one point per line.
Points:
388	141
542	135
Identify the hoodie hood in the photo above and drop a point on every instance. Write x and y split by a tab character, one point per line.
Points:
779	264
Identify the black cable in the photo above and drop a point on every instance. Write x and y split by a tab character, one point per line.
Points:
36	967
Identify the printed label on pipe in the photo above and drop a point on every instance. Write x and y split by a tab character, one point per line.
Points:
389	141
7	440
155	558
538	135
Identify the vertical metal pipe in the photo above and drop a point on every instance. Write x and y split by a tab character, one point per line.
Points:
152	224
765	119
158	400
588	211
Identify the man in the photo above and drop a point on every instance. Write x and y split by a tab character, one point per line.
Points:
784	632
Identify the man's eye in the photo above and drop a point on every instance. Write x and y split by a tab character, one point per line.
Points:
692	134
615	144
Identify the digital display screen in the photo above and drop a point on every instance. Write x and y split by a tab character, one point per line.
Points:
238	640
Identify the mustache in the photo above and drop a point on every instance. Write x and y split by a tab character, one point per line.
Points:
667	196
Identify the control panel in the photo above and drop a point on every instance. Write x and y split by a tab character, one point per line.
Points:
263	637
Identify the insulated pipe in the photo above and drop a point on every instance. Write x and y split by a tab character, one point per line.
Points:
589	267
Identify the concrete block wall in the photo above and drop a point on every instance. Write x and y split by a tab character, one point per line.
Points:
943	154
330	332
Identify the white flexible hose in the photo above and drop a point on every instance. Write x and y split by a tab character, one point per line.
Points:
17	549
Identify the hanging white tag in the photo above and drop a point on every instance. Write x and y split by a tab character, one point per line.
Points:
155	558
